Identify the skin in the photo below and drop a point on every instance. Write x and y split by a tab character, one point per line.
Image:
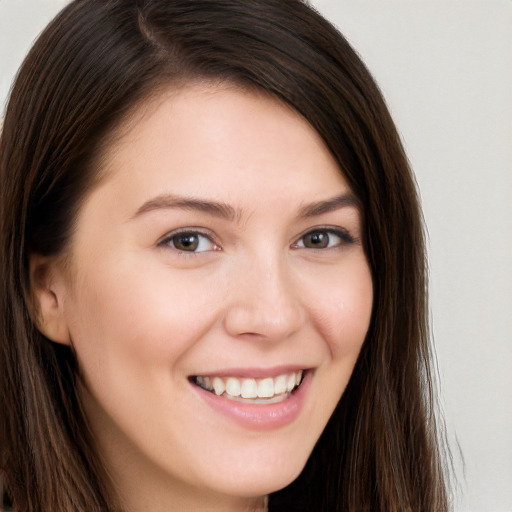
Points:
144	316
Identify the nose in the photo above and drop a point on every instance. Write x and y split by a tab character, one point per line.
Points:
264	302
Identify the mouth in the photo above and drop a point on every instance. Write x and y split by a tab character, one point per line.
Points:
267	390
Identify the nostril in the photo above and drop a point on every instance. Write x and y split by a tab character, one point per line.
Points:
263	322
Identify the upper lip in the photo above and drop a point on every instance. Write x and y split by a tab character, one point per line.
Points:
254	373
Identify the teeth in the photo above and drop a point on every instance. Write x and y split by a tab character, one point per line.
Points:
280	384
233	387
266	388
290	384
218	386
251	389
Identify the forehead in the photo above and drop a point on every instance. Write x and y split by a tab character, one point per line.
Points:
224	143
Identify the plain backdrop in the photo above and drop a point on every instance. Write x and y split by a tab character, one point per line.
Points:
445	68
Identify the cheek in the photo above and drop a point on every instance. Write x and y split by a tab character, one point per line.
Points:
137	320
342	312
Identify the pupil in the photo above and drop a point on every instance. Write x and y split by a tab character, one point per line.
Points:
317	240
186	242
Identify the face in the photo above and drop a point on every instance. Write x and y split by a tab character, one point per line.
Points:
218	298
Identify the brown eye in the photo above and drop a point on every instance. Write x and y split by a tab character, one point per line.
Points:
189	241
324	239
186	242
316	240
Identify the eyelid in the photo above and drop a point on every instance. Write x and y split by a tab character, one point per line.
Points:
342	233
166	240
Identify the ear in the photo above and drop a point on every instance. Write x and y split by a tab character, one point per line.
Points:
48	287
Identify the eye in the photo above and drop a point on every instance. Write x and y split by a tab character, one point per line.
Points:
323	239
189	241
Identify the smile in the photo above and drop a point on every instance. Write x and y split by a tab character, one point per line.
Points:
259	400
267	390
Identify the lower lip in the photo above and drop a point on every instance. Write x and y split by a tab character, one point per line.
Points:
259	416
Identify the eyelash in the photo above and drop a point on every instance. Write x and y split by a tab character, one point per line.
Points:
171	239
345	237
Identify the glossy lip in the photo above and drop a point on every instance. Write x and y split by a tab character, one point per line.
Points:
259	416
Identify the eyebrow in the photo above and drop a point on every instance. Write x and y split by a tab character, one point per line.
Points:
226	211
218	209
329	205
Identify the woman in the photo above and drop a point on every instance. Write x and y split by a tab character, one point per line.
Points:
214	269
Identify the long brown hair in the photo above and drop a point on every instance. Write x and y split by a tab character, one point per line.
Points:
94	64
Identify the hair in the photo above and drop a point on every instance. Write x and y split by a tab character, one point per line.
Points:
88	71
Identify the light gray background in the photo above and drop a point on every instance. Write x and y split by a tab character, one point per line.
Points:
445	68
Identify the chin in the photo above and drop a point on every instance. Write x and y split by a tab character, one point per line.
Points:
259	477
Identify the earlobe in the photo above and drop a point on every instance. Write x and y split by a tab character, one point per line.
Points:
47	299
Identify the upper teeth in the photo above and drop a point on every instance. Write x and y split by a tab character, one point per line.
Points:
251	388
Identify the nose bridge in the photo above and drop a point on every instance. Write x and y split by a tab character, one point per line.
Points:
263	298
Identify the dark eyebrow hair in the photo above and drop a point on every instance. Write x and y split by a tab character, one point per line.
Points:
218	209
329	205
226	211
